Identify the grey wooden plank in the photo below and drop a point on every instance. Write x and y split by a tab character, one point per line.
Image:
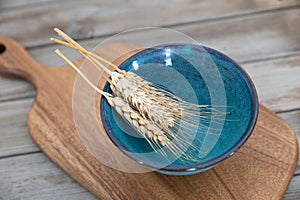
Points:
35	177
293	191
17	4
14	134
84	19
246	38
15	88
277	82
293	118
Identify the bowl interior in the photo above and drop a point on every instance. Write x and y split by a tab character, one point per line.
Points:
240	97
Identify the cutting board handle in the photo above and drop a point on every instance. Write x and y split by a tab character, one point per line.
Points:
14	60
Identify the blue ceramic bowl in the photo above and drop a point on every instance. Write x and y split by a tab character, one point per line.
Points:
240	93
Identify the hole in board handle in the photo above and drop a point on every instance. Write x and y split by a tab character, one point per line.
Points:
2	48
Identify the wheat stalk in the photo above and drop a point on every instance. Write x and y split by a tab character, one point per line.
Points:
144	99
143	126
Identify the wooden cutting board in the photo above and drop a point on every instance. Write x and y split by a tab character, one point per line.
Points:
261	169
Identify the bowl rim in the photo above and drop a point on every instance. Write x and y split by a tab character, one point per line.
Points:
213	162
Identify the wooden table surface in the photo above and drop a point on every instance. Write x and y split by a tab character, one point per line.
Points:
262	35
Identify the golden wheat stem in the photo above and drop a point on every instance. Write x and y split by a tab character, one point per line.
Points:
85	54
58	52
145	127
75	45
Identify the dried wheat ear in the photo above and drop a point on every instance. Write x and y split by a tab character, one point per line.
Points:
162	118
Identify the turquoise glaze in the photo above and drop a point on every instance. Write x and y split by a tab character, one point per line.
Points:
240	95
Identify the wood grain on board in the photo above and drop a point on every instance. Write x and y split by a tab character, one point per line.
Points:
262	169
